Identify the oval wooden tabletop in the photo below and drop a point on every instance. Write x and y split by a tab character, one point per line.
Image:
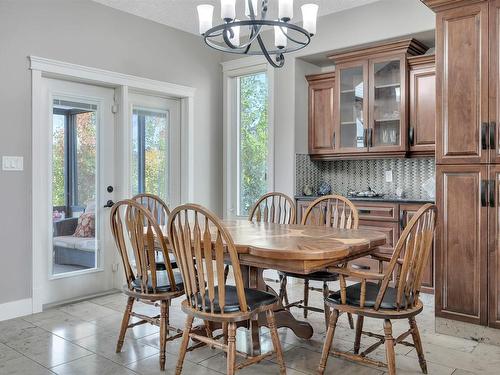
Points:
297	242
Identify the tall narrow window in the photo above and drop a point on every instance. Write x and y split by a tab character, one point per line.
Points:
150	139
252	140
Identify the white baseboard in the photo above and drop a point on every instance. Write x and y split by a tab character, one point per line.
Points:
16	309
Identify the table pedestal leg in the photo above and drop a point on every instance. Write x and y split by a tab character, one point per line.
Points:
253	278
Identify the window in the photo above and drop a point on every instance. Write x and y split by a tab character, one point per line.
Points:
150	169
253	138
248	138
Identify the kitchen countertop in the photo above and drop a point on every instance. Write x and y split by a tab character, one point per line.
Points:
376	199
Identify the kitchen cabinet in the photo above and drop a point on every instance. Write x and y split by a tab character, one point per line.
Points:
370	103
386	217
321	116
462	236
467	160
422	126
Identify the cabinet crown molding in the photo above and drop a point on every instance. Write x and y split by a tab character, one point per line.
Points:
440	5
422	60
408	46
320	77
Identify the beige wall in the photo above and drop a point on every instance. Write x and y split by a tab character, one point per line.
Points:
87	33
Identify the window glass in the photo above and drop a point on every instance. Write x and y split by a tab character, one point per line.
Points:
253	134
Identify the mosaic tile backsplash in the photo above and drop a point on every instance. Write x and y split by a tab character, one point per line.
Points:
343	175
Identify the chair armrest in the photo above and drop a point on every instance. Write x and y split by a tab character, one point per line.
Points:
384	258
349	272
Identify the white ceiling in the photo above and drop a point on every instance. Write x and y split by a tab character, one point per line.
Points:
182	15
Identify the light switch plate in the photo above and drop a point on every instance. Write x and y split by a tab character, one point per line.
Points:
388	176
12	163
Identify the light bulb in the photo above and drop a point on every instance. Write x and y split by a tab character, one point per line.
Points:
205	14
227	10
235	40
280	39
254	7
285	10
309	16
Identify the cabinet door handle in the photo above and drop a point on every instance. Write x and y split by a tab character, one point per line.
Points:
370	137
493	127
333	140
401	220
484	189
362	211
491	186
484	127
411	136
365	138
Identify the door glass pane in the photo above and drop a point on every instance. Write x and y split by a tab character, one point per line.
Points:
150	152
387	86
252	140
74	167
351	108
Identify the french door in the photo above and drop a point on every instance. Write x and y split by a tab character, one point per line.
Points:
79	257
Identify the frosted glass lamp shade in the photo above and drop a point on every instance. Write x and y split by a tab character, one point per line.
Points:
309	16
228	10
205	15
280	38
285	10
254	7
235	40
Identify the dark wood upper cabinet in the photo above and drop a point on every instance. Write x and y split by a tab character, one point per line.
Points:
422	126
462	84
369	115
494	82
321	115
462	238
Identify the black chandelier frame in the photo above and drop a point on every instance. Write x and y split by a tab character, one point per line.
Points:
256	26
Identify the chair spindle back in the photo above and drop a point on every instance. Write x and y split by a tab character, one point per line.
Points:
199	240
333	211
275	208
136	232
156	206
410	257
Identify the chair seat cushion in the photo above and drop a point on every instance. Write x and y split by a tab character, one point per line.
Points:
162	283
353	293
315	276
255	299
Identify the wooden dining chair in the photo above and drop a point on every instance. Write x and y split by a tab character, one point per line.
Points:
273	208
201	244
380	300
160	212
333	211
136	232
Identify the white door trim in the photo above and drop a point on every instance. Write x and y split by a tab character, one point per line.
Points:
43	67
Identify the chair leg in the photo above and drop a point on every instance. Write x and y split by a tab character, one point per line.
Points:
184	344
351	320
231	348
326	293
389	347
359	330
163	333
125	321
328	341
271	322
283	296
306	296
418	344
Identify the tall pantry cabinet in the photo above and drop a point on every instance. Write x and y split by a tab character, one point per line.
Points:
468	160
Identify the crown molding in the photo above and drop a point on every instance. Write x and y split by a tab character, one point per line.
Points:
423	60
440	5
320	77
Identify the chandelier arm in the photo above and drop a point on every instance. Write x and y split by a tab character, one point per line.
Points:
227	39
280	58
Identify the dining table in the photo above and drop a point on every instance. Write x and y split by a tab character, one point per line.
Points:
293	248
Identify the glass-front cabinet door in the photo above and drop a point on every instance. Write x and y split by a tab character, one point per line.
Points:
352	108
387	104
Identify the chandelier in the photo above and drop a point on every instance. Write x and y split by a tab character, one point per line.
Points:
288	37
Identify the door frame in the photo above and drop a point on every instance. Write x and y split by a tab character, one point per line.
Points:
122	83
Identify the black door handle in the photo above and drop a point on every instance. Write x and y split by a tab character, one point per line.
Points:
492	193
109	204
484	189
411	136
493	145
484	144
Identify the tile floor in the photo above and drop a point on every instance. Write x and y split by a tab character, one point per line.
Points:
80	339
